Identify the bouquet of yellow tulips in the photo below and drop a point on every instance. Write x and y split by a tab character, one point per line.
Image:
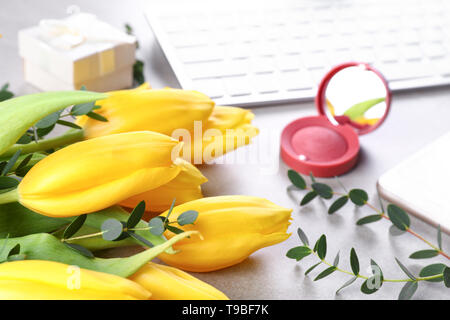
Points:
124	174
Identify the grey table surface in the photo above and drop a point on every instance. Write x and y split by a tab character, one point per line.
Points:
416	119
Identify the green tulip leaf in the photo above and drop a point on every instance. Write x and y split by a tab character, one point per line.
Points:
19	114
44	246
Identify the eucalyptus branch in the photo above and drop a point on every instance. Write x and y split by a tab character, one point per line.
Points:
113	229
371	283
397	216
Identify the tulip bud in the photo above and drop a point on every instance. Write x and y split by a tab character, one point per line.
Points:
159	110
167	283
227	129
233	227
39	280
183	188
91	175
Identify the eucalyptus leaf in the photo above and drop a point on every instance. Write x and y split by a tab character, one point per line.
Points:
325	273
433	270
302	236
338	204
312	268
336	260
439	237
25	161
140	239
296	179
136	215
11	163
82	109
68	124
322	247
49	120
374	282
345	285
175	229
74	226
408	290
187	217
14	250
298	253
323	190
354	262
80	249
398	217
424	254
369	219
405	270
358	196
166	220
308	198
19	114
446	275
8	182
96	116
43	246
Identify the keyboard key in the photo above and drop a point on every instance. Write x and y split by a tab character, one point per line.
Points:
315	60
238	86
211	87
434	50
204	70
262	64
299	80
266	83
412	52
200	54
288	62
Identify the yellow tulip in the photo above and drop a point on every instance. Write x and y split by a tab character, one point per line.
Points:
94	174
184	187
167	283
227	129
48	280
232	227
159	110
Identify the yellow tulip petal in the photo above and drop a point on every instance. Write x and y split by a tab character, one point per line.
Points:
167	283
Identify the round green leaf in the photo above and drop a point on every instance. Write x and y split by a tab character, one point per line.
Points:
446	275
187	217
368	286
322	190
433	270
408	290
156	226
398	217
424	254
298	253
82	109
296	179
358	196
339	203
368	219
322	247
354	262
308	198
112	229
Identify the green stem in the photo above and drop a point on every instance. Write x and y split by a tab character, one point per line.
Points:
10	196
384	280
71	136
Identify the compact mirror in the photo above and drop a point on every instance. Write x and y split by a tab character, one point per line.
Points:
356	95
352	99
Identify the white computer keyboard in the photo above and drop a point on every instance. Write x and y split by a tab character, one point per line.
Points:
257	52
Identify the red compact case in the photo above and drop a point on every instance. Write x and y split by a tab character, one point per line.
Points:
325	145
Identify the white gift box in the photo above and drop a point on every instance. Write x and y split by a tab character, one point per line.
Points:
79	50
